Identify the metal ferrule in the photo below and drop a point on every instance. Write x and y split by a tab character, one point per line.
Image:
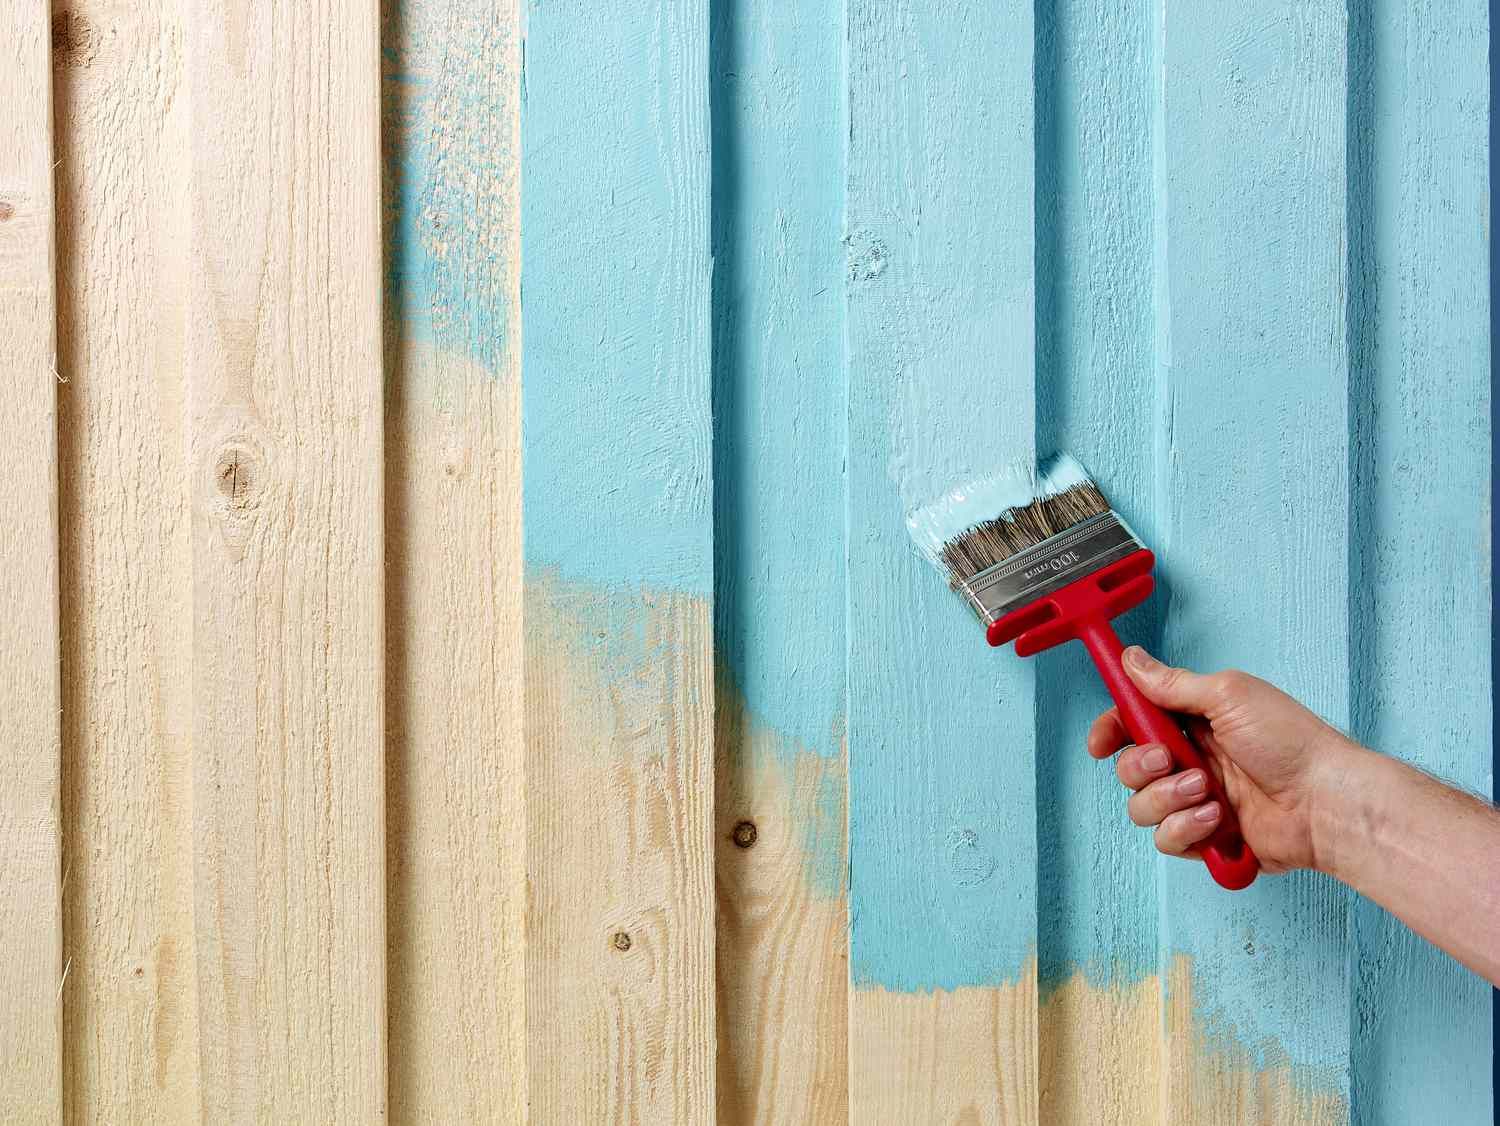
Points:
1050	565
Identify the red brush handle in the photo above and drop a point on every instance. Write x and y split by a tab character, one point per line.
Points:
1083	609
1229	859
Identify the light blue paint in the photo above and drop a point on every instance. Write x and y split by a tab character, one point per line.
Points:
448	172
1096	886
1253	105
615	294
778	202
940	332
1419	322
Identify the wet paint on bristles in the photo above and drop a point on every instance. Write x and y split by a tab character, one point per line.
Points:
984	521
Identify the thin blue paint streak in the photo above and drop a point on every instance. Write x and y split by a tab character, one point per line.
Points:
778	198
616	427
446	149
940	301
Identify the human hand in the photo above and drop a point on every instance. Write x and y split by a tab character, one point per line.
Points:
1274	757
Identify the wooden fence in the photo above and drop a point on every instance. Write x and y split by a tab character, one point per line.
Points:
333	791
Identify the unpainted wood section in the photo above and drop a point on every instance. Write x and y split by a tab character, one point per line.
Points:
456	820
30	913
782	950
129	1009
619	933
284	363
946	1056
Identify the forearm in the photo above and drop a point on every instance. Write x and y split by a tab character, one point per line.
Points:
1424	851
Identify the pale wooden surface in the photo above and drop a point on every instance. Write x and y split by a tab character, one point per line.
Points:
284	363
30	913
130	1014
456	822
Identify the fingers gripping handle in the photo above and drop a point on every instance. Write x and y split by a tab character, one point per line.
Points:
1229	859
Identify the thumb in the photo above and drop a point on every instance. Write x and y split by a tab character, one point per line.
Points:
1173	688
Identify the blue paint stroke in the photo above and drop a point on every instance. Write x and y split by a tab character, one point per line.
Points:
1096	397
940	305
615	296
778	394
1258	367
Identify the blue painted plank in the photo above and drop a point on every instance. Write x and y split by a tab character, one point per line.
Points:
617	481
777	97
1253	364
1096	397
940	338
1419	303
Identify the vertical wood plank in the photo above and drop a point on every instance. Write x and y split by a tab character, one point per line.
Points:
779	417
619	568
129	1007
284	365
1253	363
456	820
1096	397
940	338
30	773
1420	322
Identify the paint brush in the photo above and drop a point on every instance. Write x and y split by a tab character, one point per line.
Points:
1043	559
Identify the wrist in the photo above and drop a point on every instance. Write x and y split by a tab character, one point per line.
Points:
1344	817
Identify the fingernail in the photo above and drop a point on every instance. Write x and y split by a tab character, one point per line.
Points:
1207	813
1155	760
1137	657
1190	783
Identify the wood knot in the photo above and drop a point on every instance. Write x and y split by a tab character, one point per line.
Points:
620	941
744	834
237	474
7	211
75	41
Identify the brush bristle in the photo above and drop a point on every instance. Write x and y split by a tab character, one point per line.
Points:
963	542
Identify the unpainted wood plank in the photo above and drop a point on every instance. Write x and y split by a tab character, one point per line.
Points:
1096	398
617	475
284	362
1420	326
1253	362
456	821
940	370
779	406
30	772
129	1007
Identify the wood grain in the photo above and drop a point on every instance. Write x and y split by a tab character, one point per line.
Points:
30	770
779	772
456	822
1254	370
1423	1038
617	470
283	355
940	293
129	1005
